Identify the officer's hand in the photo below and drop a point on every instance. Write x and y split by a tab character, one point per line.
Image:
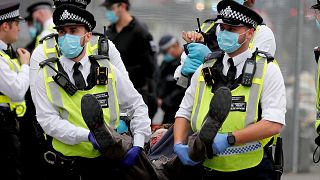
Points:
132	156
198	51
190	66
192	36
93	141
220	143
24	56
182	152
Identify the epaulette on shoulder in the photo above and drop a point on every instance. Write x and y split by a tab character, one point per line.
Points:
49	36
215	55
98	57
267	55
48	61
97	34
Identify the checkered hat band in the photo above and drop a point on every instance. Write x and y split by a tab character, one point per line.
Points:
66	15
10	15
241	149
229	13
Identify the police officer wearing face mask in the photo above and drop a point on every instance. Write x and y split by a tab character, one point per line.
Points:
136	47
47	47
316	8
263	39
255	112
62	83
169	94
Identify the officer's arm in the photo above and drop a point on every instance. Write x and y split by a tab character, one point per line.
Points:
12	84
183	116
273	105
131	101
115	59
36	57
50	120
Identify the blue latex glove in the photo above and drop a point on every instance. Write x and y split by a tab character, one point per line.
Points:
93	141
132	156
182	152
220	143
122	128
198	51
190	66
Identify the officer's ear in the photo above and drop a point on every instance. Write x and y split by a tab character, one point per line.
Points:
87	37
250	33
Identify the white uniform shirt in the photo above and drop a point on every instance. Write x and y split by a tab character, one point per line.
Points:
38	56
12	84
129	101
264	41
273	98
47	28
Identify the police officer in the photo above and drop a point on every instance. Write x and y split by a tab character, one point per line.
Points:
136	47
258	104
316	7
47	48
62	83
41	13
263	39
14	82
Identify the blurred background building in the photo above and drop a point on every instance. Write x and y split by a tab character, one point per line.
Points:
293	24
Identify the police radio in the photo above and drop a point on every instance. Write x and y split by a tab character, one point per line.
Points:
62	80
103	47
248	72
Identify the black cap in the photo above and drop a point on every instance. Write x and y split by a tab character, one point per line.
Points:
10	11
67	14
316	6
166	41
39	5
235	14
80	3
111	2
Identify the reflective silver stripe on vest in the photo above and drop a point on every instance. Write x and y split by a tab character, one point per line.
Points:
50	44
254	94
94	40
56	96
111	99
234	150
202	85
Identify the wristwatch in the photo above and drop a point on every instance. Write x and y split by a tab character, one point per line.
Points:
231	139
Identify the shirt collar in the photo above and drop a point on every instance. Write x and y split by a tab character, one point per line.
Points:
3	45
48	24
69	63
239	58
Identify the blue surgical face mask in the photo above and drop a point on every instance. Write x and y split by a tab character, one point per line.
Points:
32	32
111	16
318	24
168	58
228	41
37	25
70	45
240	1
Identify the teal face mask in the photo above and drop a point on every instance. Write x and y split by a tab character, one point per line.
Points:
70	45
111	16
318	24
228	41
168	58
32	32
240	1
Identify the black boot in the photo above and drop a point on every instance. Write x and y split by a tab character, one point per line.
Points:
93	116
219	109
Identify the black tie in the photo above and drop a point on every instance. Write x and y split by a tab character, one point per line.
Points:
232	70
77	76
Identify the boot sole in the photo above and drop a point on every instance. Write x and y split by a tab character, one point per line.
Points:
93	116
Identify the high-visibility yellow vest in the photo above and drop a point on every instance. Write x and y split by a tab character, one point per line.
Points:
208	25
317	124
19	107
51	48
70	108
244	112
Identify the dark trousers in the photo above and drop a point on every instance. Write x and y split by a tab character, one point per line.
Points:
264	171
10	147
